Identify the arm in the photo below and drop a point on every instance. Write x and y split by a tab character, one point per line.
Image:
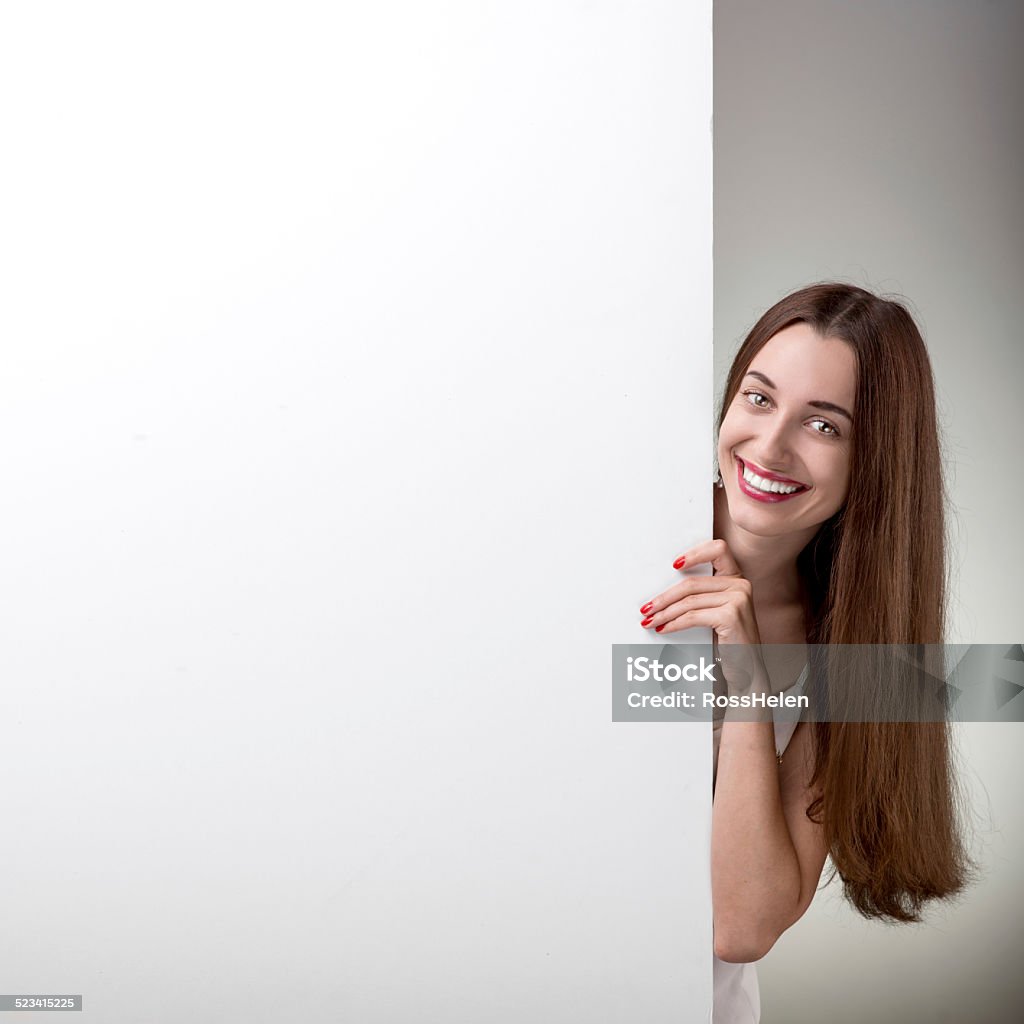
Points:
766	855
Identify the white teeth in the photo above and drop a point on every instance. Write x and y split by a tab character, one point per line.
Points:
769	486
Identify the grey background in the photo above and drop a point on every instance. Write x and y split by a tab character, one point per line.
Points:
881	143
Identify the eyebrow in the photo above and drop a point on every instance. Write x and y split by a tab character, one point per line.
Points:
827	406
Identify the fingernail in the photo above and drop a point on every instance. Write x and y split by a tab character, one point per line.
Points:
658	629
647	607
679	563
647	621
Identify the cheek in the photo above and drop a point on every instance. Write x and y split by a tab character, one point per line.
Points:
834	477
727	435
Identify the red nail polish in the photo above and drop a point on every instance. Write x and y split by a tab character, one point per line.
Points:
679	563
647	621
658	629
647	607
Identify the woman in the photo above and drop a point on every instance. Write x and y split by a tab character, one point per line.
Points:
828	530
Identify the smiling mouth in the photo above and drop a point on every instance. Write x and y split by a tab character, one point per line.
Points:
766	486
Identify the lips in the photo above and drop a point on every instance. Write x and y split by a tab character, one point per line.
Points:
766	496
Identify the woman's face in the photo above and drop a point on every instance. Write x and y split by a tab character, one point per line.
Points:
784	446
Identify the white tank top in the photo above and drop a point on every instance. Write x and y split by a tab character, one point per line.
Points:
736	998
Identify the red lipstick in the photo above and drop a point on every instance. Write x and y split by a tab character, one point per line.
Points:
766	496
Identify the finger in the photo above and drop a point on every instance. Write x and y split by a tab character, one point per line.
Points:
691	620
716	552
691	585
692	602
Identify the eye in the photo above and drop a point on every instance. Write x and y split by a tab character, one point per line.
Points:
759	400
832	431
751	395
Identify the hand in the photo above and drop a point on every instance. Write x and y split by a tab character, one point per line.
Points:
724	602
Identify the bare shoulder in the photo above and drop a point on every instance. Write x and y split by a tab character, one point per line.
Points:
797	795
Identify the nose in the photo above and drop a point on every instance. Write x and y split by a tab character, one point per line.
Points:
773	445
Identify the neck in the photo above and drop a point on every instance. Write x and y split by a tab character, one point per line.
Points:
768	562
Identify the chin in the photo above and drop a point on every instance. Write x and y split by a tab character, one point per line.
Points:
759	527
770	521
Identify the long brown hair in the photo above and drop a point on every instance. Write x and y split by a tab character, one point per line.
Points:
875	573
